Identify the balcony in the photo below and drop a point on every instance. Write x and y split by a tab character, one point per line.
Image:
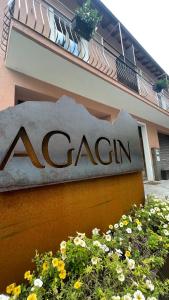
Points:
36	20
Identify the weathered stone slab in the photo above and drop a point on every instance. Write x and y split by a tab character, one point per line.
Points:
45	143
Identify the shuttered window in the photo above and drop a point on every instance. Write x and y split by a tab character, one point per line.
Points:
164	151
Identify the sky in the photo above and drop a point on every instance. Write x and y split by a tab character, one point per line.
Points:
148	22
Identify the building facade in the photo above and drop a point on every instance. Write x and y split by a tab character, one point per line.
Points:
42	58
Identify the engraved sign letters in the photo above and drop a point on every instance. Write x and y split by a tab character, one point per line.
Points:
47	143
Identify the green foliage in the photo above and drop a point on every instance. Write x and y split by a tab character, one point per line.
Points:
161	84
122	264
86	20
88	15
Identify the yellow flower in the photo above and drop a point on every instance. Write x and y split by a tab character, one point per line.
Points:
110	226
28	275
127	254
62	274
10	288
32	297
55	262
77	284
138	222
125	222
45	266
61	265
17	290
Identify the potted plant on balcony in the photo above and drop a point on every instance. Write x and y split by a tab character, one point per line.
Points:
86	20
160	85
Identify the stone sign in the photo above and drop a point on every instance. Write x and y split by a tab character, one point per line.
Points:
44	143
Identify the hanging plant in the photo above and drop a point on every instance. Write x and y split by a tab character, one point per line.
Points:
160	85
86	20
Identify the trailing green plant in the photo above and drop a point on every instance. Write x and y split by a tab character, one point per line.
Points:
121	264
161	84
89	15
86	20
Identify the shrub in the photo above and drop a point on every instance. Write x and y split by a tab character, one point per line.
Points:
160	85
121	264
86	20
88	15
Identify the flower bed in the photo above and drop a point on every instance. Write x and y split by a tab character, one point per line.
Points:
121	264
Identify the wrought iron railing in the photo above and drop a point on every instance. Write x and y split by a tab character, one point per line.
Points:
8	14
56	25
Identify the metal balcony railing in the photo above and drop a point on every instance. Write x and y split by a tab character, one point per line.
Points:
56	25
8	13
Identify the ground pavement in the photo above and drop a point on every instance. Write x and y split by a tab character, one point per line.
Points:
160	188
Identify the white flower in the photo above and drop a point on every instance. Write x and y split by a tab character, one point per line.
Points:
110	253
81	235
138	295
149	285
130	218
129	248
135	283
116	226
152	210
165	226
157	209
115	298
167	217
121	277
95	260
128	230
119	270
119	252
131	264
4	297
108	237
121	224
139	227
104	248
82	243
166	232
127	297
64	256
124	217
63	245
97	243
95	231
77	241
38	282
